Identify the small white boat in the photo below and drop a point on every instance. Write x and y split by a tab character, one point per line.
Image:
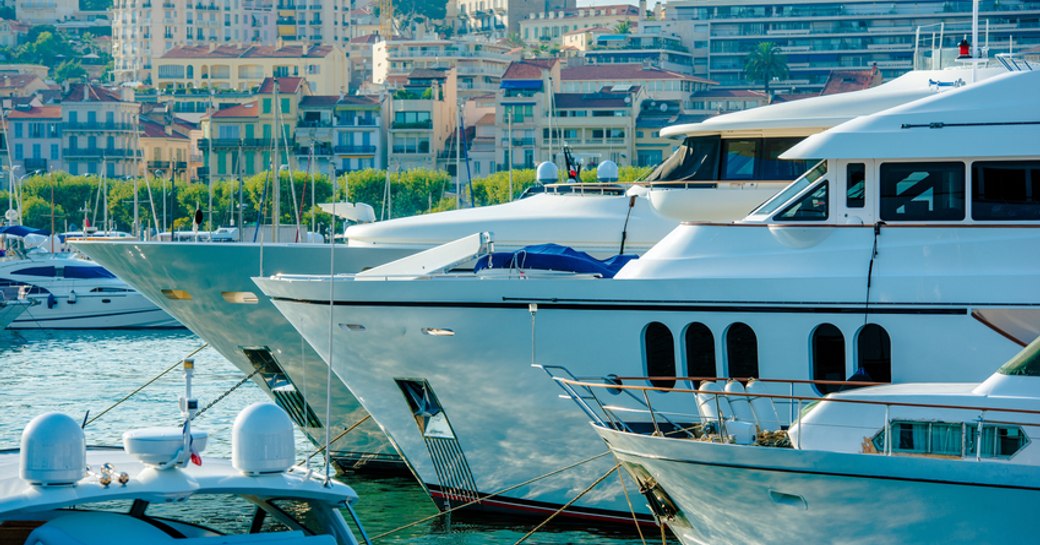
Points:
901	464
69	291
157	489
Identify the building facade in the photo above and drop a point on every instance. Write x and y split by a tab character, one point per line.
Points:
36	138
478	63
244	67
99	132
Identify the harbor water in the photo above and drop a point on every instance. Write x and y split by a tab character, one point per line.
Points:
81	373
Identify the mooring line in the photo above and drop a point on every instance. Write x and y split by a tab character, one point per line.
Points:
336	438
225	394
145	385
631	508
489	496
617	467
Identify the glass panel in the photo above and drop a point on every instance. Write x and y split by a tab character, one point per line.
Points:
855	183
659	347
874	351
700	352
1005	190
738	159
793	189
828	357
742	351
922	191
811	207
771	167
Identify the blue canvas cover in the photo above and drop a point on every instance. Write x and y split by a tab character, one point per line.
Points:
21	231
553	257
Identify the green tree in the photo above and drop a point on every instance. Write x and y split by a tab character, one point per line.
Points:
623	27
764	63
69	70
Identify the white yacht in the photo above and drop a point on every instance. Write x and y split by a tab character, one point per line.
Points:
208	288
54	490
903	254
70	292
949	462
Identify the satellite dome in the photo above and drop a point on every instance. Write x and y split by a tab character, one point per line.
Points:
54	451
262	440
607	171
547	173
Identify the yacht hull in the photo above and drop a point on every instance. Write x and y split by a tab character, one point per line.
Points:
732	494
470	341
216	278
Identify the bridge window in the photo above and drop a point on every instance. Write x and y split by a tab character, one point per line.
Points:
1005	190
922	191
855	183
811	207
741	351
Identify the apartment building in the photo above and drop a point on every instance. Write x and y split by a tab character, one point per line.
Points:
523	111
359	133
99	132
242	140
244	67
423	115
549	26
657	84
478	63
499	18
167	148
144	30
35	137
818	36
45	12
21	85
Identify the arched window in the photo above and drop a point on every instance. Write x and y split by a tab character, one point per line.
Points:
700	352
828	357
874	353
741	351
659	348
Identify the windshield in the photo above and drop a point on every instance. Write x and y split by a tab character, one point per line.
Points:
815	173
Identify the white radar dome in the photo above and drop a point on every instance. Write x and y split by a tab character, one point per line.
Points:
158	447
547	173
262	440
54	451
607	171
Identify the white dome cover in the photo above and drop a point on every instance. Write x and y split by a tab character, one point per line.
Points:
54	451
547	173
607	171
262	440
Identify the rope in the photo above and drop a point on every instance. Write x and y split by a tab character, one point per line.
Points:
631	508
225	394
489	496
336	438
616	467
145	385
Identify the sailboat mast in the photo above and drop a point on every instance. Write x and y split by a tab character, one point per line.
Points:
276	189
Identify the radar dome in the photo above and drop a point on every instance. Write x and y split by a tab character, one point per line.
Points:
607	171
54	451
547	173
262	440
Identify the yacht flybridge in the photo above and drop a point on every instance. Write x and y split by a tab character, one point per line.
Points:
951	462
905	254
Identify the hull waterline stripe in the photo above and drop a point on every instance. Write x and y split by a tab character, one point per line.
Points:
822	473
641	306
91	316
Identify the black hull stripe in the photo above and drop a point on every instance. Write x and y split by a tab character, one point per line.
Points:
828	473
641	306
89	317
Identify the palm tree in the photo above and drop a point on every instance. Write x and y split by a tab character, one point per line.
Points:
623	27
764	63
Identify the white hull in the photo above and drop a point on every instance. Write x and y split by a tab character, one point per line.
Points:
507	417
206	271
731	494
9	311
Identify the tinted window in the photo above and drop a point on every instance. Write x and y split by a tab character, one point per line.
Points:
738	159
922	191
811	207
700	352
770	167
874	353
828	357
742	351
1006	190
659	347
855	183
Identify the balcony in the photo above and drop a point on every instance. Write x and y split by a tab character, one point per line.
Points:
235	143
100	153
357	122
34	164
351	149
164	165
519	142
320	150
428	124
98	127
312	124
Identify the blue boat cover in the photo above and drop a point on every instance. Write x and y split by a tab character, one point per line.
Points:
553	257
21	231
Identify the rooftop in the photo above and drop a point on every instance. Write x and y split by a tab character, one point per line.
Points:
843	81
593	100
286	85
528	68
36	112
248	52
632	72
248	109
86	92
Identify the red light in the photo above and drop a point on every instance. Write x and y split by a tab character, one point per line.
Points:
965	49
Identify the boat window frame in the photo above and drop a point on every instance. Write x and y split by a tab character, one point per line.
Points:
689	354
884	197
795	206
973	196
659	350
824	389
793	190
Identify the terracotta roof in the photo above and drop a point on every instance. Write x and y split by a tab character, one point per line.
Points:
592	100
286	85
17	81
363	100
247	52
632	71
843	81
528	69
36	112
369	39
729	93
248	109
86	92
151	129
322	101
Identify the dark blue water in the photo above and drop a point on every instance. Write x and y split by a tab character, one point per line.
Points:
81	371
